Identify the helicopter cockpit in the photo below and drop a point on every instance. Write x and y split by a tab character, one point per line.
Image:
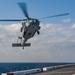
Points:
32	22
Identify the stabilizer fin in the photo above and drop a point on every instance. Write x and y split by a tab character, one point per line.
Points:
19	45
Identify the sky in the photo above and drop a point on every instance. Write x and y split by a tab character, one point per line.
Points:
56	42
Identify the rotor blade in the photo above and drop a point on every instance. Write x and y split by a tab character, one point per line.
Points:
55	16
12	19
23	7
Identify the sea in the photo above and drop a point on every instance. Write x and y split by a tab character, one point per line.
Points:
11	67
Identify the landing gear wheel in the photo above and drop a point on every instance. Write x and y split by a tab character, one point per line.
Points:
21	30
38	32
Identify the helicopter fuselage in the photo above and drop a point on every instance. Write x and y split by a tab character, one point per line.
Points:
29	28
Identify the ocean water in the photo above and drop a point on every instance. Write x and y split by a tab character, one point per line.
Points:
10	67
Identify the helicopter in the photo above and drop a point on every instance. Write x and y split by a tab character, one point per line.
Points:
30	26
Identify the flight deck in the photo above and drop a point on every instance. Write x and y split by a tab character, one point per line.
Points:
67	69
70	70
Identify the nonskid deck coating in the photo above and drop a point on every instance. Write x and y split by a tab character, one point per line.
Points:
61	71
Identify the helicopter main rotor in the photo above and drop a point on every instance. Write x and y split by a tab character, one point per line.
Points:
23	7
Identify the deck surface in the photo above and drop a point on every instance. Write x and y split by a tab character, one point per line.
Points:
61	71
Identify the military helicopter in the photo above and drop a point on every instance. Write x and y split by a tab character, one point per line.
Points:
29	26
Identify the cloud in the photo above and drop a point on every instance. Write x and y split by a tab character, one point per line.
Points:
67	20
73	26
54	42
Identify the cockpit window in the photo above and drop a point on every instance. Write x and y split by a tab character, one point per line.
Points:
31	21
34	21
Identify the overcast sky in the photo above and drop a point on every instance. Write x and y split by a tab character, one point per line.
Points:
56	42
